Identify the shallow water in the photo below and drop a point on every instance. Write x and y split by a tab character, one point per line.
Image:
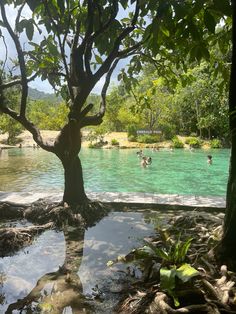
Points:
177	172
114	235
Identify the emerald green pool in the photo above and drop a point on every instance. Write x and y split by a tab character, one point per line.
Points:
177	172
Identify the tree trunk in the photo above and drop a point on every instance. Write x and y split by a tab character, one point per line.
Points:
74	192
67	147
228	243
209	133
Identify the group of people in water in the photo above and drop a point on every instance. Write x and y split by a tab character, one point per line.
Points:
146	161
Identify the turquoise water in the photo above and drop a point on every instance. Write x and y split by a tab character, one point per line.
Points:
177	172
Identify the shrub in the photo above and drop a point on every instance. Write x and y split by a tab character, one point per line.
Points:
168	131
132	138
216	143
148	138
114	142
95	145
193	142
177	143
132	131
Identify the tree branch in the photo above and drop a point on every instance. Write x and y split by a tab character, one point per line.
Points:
6	54
114	53
24	92
62	48
30	127
104	27
17	82
126	52
97	119
18	16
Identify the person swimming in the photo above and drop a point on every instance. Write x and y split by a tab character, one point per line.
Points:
144	162
149	160
140	153
209	159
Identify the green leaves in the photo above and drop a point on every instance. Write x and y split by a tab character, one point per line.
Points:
199	52
168	278
28	26
52	48
29	30
185	272
223	7
98	59
209	21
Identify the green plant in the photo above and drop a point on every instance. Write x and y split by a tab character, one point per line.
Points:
132	138
95	145
13	128
168	130
177	143
216	143
172	257
193	142
114	142
148	138
132	131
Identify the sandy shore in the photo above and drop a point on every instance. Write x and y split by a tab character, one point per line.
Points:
121	137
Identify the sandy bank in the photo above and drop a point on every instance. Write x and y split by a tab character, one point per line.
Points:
121	137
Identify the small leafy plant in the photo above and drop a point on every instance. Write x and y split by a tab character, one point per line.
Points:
193	142
216	143
177	143
149	138
114	142
172	259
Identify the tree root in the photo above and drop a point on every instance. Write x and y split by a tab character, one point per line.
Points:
11	211
214	291
84	215
92	212
13	239
41	212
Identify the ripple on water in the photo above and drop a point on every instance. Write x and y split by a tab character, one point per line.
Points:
180	172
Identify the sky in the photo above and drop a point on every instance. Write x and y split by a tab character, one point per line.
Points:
38	83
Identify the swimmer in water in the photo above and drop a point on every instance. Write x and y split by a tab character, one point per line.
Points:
209	160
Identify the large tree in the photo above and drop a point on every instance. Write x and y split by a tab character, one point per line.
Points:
226	249
82	41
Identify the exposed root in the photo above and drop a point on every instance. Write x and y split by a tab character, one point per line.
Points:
11	211
41	212
92	212
212	292
13	239
84	215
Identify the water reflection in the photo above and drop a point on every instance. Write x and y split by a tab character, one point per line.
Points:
63	272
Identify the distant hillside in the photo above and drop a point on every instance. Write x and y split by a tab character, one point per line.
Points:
36	94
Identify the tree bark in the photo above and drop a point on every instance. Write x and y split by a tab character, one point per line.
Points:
228	242
74	193
67	147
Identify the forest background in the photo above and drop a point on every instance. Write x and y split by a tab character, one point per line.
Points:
192	103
